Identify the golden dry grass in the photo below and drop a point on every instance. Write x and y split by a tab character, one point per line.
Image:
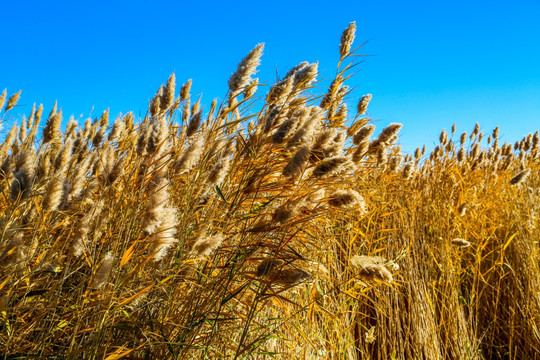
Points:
270	226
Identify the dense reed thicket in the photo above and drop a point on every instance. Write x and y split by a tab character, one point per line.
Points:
273	225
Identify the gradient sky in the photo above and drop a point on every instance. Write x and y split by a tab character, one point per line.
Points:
432	63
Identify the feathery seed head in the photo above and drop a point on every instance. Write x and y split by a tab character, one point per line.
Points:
267	266
51	131
348	199
184	90
462	243
372	267
246	68
389	132
363	104
102	273
155	103
118	128
251	88
279	93
167	100
219	171
194	123
306	76
363	134
443	138
3	98
298	161
205	245
408	171
288	277
347	38
519	178
332	166
461	154
272	117
476	130
12	101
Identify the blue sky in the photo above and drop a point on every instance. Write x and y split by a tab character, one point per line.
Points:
432	63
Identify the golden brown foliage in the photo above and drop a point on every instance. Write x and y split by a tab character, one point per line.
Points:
279	231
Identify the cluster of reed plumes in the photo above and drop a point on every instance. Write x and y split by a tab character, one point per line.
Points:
274	224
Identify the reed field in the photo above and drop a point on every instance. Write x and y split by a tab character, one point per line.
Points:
276	224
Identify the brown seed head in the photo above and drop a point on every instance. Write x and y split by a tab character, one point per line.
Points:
167	100
331	166
3	98
297	162
267	266
184	91
304	77
462	243
205	245
389	132
363	104
348	199
51	131
288	277
462	209
372	267
363	134
194	123
12	101
519	178
246	68
347	38
102	274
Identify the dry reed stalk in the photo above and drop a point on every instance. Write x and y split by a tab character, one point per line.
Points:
486	301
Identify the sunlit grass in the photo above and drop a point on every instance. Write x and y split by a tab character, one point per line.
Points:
274	224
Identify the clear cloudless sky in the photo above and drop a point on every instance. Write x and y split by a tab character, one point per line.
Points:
432	63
